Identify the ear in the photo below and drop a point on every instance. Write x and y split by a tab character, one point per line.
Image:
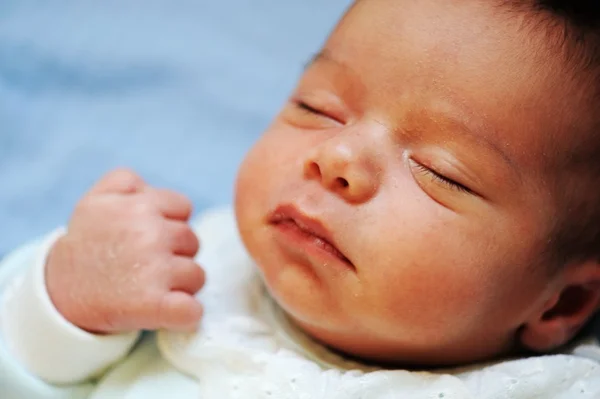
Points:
574	301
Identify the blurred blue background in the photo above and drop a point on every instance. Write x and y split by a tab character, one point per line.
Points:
175	89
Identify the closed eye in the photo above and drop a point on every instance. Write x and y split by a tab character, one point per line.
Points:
320	111
307	108
441	179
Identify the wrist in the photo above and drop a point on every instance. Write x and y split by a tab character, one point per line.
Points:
55	279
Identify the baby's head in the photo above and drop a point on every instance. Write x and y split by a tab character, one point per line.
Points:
429	195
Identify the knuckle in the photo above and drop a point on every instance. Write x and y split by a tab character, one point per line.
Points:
177	200
150	237
142	235
125	179
143	206
124	175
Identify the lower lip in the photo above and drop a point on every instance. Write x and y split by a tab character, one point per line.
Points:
311	244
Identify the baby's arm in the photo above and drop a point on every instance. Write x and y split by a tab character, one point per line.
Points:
41	354
72	305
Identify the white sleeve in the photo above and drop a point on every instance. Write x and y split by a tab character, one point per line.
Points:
45	343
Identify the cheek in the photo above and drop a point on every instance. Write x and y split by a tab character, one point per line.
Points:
441	274
428	269
252	192
256	173
427	288
262	179
272	167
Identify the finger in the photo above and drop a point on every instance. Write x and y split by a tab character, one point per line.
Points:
182	240
119	181
186	276
171	204
179	312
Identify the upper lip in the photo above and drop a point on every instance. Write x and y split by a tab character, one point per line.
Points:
309	224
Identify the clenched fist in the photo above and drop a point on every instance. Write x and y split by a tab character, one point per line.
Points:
127	260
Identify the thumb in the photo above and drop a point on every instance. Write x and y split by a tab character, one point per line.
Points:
179	311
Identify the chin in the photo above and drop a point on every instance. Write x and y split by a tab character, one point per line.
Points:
300	301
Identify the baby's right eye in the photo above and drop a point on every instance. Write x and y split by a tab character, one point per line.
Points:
308	116
307	108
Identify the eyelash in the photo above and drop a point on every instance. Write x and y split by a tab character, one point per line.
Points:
442	179
320	112
307	108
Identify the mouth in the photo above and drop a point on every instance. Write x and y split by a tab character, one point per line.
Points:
309	233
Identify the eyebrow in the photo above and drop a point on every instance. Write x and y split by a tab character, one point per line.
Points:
496	148
314	59
475	133
324	55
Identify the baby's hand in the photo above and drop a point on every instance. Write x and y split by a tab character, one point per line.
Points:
126	263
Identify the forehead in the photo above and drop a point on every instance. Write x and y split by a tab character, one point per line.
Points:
409	57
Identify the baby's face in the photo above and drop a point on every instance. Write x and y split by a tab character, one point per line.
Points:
398	205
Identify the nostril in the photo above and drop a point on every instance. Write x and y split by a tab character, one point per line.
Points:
342	182
313	170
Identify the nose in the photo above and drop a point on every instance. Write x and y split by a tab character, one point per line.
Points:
346	165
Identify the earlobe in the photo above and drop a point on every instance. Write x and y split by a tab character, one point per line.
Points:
566	312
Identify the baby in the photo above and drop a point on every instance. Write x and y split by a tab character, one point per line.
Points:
427	198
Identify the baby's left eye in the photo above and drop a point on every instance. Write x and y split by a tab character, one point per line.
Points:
439	179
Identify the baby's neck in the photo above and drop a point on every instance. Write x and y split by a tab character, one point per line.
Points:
378	354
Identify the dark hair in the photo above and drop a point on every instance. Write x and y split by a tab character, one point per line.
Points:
574	26
582	14
577	25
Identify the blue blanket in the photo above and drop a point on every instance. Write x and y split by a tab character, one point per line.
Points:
176	89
